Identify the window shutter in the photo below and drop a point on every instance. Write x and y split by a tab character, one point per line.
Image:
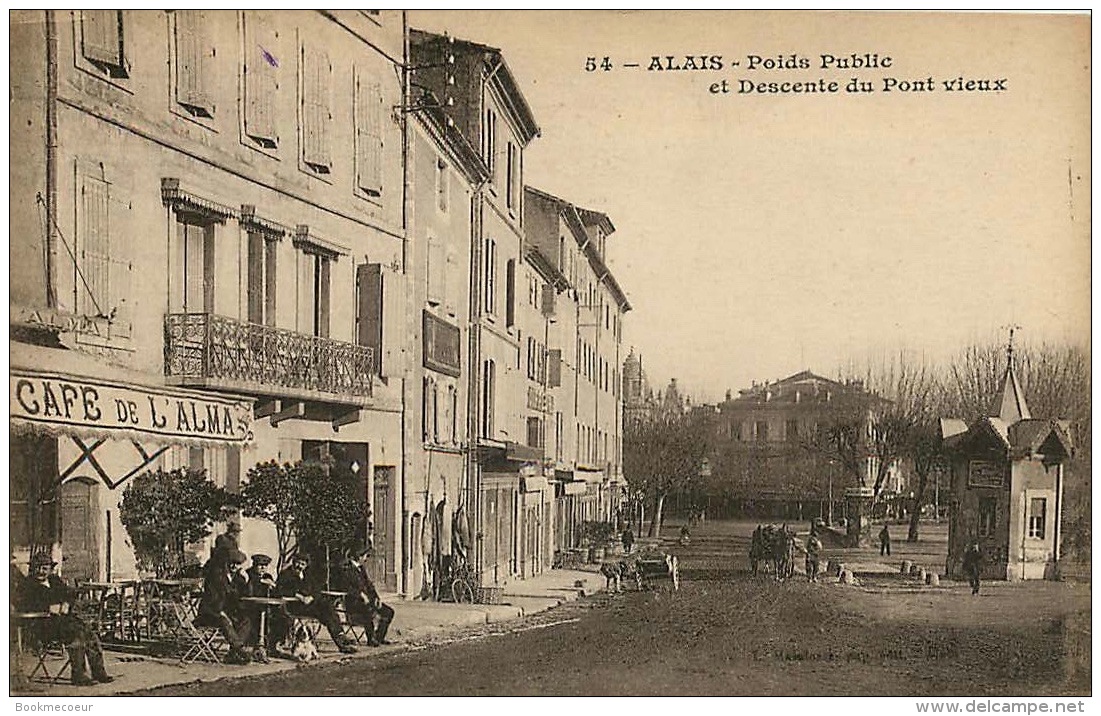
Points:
93	267
192	55
369	135
261	79
120	268
369	283
554	373
315	109
102	36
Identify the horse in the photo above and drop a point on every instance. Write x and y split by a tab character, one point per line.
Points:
775	549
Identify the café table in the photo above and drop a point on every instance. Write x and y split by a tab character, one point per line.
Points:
265	605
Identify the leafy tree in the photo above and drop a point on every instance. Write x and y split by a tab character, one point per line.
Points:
315	507
663	451
163	512
271	492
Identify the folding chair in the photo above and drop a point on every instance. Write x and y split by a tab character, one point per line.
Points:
51	650
202	642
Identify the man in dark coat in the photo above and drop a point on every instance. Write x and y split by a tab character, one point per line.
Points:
261	583
884	541
363	604
972	565
45	592
220	604
292	582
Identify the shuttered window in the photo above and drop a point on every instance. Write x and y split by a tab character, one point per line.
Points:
194	55
316	110
368	122
94	267
261	79
490	284
102	40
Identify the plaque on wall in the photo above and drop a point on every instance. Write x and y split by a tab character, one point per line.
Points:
984	473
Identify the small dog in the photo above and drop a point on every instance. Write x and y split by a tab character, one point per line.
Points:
304	649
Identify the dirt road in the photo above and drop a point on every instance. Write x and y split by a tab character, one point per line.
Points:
728	633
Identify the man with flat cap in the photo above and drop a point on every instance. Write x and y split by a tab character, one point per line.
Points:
45	592
220	605
261	583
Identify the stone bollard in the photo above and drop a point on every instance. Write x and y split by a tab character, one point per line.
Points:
932	579
846	576
921	574
914	570
906	565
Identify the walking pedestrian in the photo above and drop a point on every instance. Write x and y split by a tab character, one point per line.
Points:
628	538
814	554
884	541
972	565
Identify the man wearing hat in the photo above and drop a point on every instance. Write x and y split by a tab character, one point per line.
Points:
363	603
43	591
220	604
293	583
261	583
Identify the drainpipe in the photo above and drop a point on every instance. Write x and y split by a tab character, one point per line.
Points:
406	218
51	159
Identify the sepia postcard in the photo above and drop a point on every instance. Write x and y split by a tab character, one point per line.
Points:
417	353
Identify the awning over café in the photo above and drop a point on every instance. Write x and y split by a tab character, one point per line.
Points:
575	488
589	474
64	392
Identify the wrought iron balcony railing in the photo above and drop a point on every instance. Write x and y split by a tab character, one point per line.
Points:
214	351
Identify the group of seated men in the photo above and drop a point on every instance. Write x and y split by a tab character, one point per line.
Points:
226	582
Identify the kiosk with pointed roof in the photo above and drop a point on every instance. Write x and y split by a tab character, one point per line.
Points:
1007	486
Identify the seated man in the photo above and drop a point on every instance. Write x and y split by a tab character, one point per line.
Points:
261	583
362	602
46	592
292	582
220	604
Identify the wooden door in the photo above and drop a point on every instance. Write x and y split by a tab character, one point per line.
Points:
80	523
382	506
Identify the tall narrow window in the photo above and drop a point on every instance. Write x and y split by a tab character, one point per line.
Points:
490	143
510	293
490	282
511	177
369	121
988	507
102	41
194	54
1037	517
194	253
262	65
261	278
316	109
314	278
489	393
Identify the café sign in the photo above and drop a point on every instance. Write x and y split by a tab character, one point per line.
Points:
67	403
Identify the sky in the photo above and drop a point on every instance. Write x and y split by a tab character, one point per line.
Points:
762	233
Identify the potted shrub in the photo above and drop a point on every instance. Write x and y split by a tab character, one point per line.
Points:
597	537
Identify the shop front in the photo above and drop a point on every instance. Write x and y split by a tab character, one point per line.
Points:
79	432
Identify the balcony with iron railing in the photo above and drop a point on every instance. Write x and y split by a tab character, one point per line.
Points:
211	351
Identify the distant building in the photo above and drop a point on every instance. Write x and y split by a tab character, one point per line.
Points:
765	462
